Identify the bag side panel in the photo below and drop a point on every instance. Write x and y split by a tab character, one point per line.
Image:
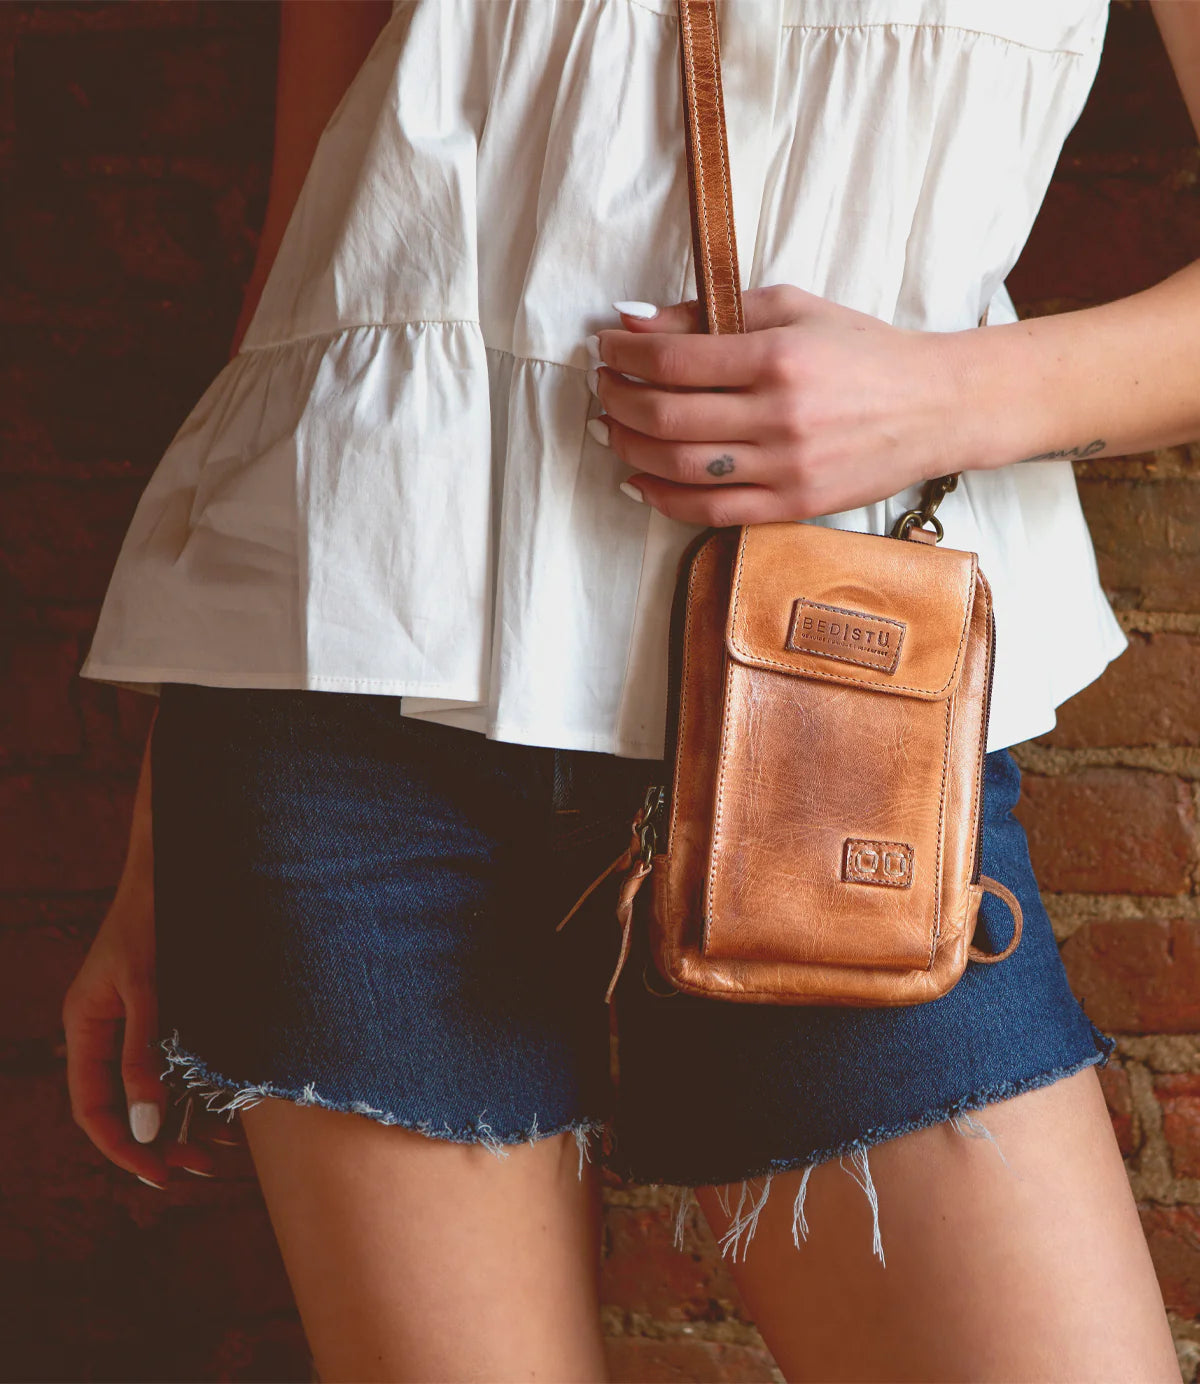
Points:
678	876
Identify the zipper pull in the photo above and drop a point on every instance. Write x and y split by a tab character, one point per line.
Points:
636	861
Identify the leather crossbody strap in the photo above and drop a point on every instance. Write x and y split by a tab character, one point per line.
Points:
714	243
718	283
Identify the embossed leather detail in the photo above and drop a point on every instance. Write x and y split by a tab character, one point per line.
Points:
889	863
852	636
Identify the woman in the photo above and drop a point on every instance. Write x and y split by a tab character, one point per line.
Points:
408	626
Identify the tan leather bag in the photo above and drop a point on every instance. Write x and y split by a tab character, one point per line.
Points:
819	840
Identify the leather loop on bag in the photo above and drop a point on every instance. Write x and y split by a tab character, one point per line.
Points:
1006	895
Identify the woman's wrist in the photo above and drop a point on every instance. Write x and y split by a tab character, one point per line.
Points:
999	387
1111	380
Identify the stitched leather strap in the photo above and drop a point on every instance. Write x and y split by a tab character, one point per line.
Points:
714	244
710	189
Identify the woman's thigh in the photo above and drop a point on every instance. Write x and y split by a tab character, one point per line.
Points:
1027	1266
413	1258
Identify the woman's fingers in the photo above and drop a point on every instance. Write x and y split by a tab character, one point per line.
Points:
94	1021
771	305
718	505
145	1095
671	350
141	1063
688	463
677	415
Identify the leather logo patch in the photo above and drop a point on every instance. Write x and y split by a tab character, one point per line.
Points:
878	862
850	635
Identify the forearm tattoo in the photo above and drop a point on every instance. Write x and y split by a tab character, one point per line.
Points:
720	466
1087	449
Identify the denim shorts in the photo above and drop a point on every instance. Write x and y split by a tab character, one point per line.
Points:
356	909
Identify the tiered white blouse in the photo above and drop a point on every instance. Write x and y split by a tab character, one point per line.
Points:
390	487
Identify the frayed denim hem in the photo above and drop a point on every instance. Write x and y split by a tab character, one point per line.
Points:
222	1095
744	1217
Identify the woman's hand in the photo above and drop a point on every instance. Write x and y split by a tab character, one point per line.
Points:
110	1017
110	1014
815	409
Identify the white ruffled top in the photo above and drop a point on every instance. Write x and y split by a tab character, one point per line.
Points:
390	488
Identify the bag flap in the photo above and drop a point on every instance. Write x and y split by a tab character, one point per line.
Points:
858	608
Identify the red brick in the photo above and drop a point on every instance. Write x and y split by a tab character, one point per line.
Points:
1103	831
633	1360
1099	238
1179	1096
1135	105
1137	976
1173	1233
116	724
252	1281
130	382
46	961
271	1349
1147	538
63	833
59	542
644	1272
37	712
100	237
1150	695
74	913
152	91
46	1158
1114	1082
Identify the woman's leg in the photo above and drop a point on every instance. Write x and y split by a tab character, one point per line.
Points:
1034	1271
414	1258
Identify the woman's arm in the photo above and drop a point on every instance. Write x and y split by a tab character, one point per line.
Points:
109	1012
818	408
1110	380
321	48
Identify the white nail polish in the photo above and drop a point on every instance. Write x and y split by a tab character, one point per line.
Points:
631	307
158	1186
593	348
144	1121
599	430
593	379
633	492
196	1172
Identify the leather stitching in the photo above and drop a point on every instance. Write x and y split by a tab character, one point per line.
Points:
703	201
718	809
685	682
724	166
941	834
697	147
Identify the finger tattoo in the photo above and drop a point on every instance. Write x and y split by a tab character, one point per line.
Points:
720	466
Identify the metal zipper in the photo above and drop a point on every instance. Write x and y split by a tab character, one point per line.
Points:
658	795
987	707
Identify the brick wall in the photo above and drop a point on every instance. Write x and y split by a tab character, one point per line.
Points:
134	148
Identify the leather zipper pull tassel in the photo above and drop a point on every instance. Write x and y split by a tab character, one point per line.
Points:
636	861
629	887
